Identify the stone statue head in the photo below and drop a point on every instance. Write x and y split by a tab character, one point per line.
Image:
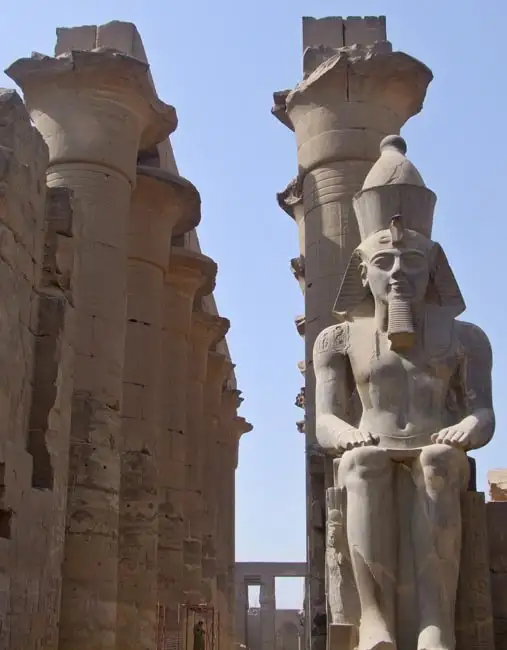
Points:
397	268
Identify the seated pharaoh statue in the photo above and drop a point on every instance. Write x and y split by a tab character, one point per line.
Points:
423	380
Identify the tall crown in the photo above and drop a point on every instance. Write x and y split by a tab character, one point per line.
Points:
394	187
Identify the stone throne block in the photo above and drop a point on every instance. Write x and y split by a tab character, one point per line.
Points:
474	621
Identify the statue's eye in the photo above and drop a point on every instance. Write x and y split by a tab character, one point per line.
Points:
383	262
413	261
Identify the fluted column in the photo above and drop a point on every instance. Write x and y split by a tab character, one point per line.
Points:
93	109
188	272
161	204
350	98
218	369
207	330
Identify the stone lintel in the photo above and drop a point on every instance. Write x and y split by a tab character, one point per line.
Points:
192	270
497	479
253	573
179	199
95	107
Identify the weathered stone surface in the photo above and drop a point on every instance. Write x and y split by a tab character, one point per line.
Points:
95	342
497	479
206	331
160	203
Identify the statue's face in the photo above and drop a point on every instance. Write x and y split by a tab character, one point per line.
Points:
399	273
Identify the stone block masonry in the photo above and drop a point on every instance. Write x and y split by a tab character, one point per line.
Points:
101	355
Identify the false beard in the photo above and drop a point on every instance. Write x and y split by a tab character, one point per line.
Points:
400	324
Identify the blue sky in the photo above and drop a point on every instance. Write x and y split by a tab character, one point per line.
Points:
218	64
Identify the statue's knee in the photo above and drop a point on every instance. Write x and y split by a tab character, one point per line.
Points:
445	462
363	463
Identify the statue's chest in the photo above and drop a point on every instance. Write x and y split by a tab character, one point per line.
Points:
374	363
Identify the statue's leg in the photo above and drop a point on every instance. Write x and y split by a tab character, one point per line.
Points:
366	473
441	475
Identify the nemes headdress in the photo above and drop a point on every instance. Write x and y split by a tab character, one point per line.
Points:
393	208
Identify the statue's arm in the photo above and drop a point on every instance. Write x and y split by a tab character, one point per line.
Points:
478	424
475	370
333	391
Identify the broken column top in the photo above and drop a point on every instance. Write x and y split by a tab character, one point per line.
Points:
336	31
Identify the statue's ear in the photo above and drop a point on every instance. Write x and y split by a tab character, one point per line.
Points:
353	289
443	288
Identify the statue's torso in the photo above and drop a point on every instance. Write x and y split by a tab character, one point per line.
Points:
405	398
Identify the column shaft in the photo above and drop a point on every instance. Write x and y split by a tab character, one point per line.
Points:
187	272
93	109
217	370
206	330
268	613
91	547
155	209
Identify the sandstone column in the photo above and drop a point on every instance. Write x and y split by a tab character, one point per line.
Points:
188	272
268	613
355	91
240	426
93	109
230	430
219	368
240	614
227	607
162	203
207	330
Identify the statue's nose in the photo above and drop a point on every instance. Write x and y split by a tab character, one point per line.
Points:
396	268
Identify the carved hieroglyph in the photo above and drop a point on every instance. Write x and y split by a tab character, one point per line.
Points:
424	383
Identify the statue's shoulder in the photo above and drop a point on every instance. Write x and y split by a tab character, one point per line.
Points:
332	341
472	338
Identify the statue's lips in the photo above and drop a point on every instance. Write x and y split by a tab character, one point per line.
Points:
400	289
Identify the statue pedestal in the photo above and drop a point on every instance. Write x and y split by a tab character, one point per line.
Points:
341	637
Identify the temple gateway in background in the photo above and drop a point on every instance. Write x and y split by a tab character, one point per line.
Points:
119	402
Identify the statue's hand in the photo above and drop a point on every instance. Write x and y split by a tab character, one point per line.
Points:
458	435
352	437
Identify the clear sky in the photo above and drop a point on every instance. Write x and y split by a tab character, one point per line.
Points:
218	63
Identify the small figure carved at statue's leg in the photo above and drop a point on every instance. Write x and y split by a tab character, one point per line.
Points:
441	475
367	475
